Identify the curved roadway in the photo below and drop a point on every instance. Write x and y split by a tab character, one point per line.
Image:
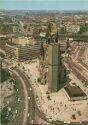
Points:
34	106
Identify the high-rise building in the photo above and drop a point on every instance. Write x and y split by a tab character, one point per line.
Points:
54	67
0	68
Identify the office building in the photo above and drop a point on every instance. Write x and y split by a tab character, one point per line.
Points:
53	67
22	53
0	68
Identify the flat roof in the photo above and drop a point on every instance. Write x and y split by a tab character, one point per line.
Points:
74	91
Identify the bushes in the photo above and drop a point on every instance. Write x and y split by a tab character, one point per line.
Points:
39	80
4	75
63	30
6	115
83	28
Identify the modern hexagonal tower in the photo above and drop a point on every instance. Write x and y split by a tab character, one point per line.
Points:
54	67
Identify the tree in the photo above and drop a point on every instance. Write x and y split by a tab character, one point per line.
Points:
83	28
39	79
6	115
4	75
63	30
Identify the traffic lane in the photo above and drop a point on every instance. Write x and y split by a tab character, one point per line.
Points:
19	106
31	102
30	94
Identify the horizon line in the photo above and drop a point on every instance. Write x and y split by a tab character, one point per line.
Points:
45	9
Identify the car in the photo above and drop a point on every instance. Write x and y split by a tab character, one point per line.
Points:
38	101
9	109
50	120
8	102
38	105
55	120
16	111
80	122
17	90
28	77
30	89
29	98
28	114
32	121
47	117
65	122
37	98
18	99
68	122
11	68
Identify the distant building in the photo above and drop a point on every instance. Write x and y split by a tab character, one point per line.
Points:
3	41
72	28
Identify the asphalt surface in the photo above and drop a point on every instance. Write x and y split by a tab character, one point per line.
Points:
34	108
19	106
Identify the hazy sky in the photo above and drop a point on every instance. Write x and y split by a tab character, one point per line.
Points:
44	4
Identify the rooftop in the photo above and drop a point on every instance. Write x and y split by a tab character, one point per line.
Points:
74	91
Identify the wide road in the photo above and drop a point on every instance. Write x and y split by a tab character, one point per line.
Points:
17	105
34	108
26	110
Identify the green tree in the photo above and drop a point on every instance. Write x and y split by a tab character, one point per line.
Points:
6	115
4	75
63	30
83	28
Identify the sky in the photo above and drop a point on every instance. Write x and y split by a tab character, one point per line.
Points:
44	4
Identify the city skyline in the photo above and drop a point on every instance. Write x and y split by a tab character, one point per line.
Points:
44	4
43	64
